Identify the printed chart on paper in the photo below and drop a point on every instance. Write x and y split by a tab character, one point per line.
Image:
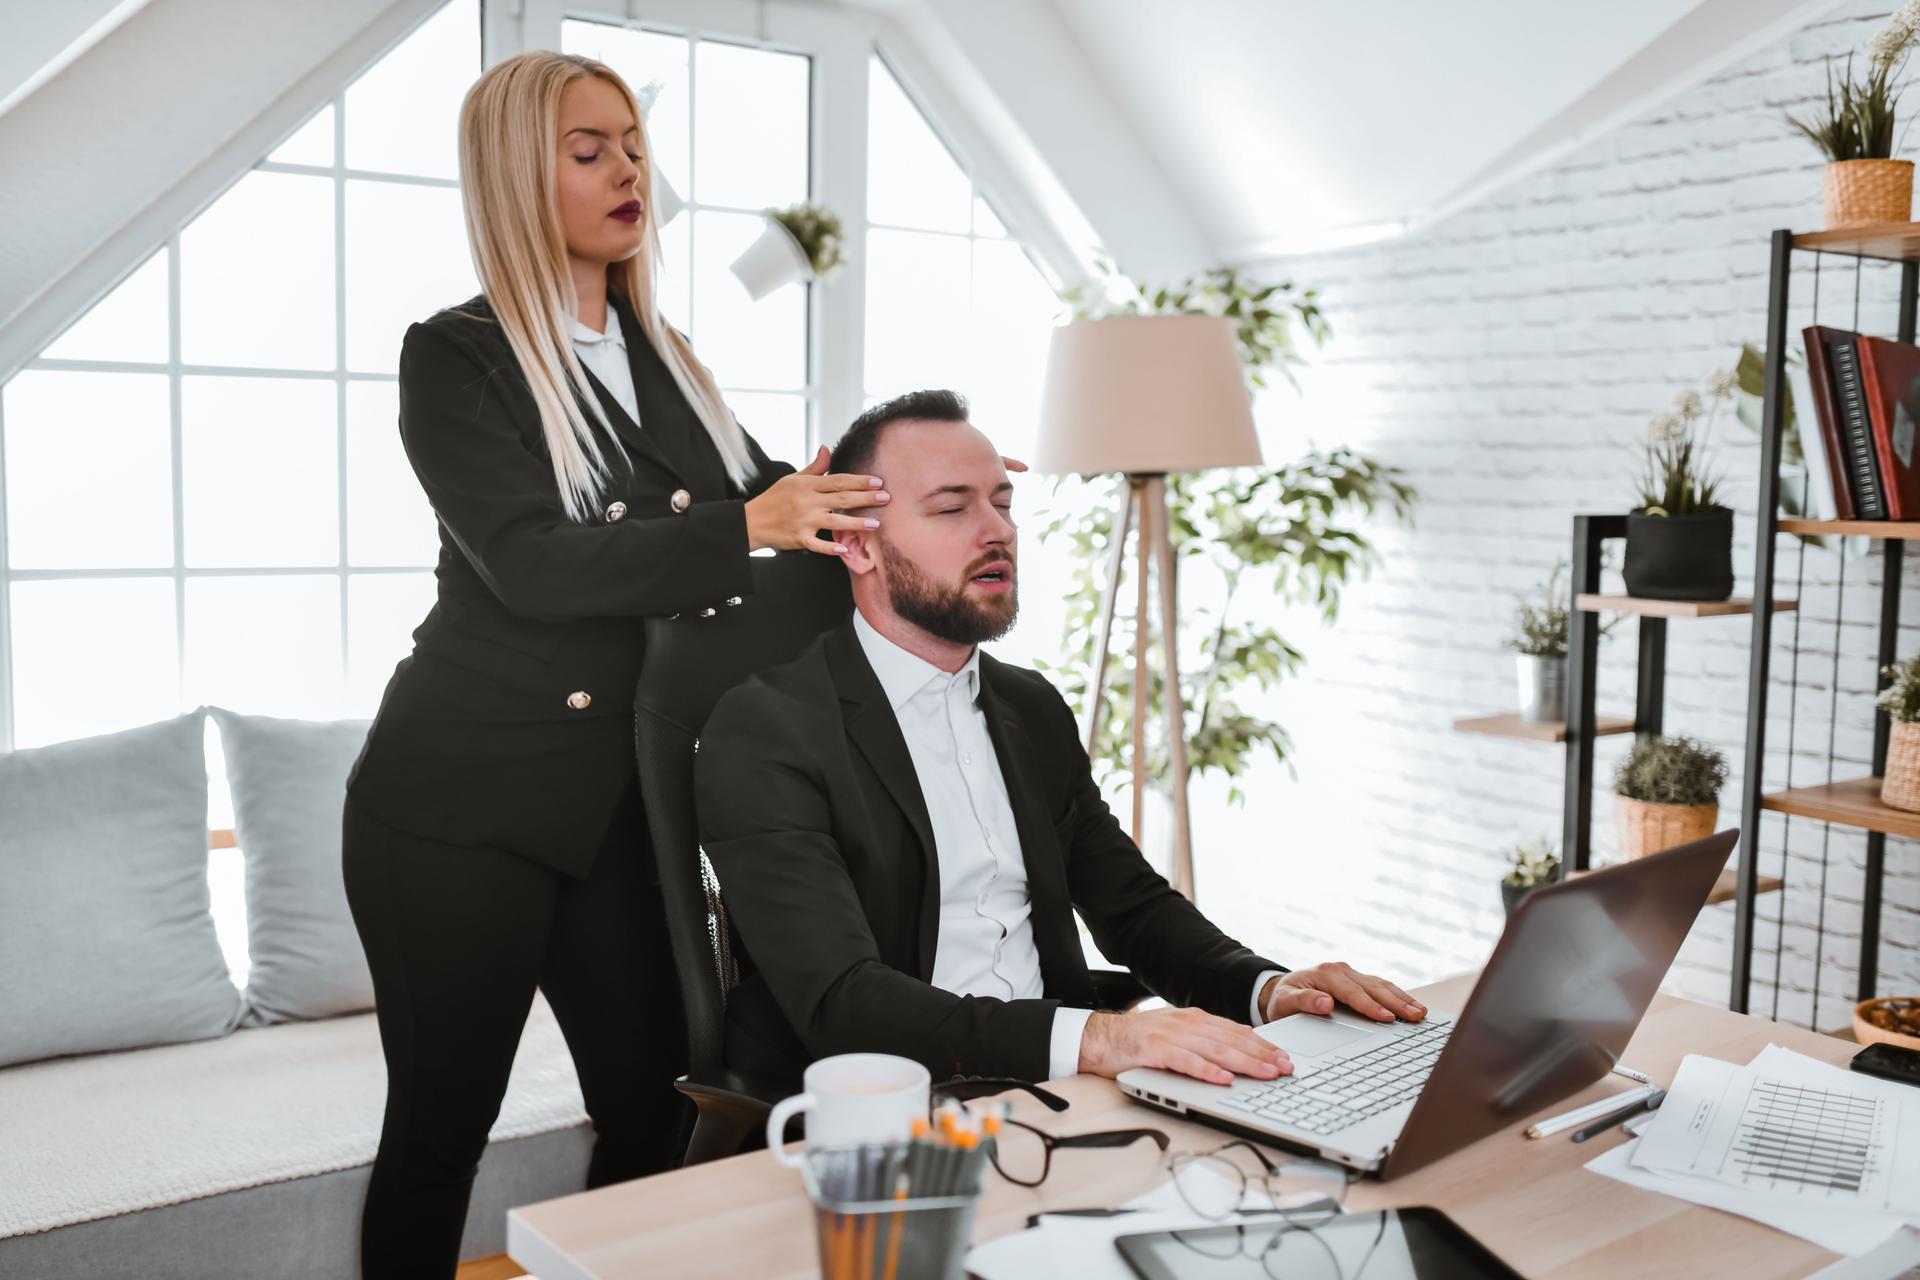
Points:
1811	1137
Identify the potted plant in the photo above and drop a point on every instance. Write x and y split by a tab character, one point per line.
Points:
1854	130
1532	864
1666	792
1539	643
1680	537
1900	786
800	242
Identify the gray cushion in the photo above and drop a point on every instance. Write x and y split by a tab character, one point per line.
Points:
289	783
106	933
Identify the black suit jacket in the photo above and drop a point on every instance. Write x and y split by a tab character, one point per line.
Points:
813	817
476	741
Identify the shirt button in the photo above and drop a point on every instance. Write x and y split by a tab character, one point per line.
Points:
579	699
680	500
966	758
616	513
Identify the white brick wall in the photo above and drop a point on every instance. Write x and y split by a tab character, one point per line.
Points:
1508	359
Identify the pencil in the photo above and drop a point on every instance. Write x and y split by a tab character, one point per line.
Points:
893	1232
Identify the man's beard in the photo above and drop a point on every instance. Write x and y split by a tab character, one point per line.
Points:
946	612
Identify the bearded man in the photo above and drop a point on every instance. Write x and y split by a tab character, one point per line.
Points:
903	827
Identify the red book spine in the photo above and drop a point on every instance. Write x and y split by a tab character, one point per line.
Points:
1820	382
1879	407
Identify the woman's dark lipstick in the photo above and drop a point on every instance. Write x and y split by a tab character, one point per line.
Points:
628	212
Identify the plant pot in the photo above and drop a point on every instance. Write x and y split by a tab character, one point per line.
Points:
773	260
1543	687
1510	894
1900	786
1867	1033
1865	191
1646	828
1686	557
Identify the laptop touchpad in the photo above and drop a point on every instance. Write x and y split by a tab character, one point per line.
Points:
1305	1036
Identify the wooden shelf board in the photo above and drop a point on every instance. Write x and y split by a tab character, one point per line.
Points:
1853	803
1672	608
1727	887
1510	725
1901	529
1893	241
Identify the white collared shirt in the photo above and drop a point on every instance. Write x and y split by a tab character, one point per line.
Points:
606	354
985	944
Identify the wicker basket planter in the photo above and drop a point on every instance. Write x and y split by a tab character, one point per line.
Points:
1864	191
1646	828
1900	787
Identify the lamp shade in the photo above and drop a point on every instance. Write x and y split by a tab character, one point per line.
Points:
1150	394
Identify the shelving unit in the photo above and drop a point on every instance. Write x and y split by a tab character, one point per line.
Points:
1583	724
1851	802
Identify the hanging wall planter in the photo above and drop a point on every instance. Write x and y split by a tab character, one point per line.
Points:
800	242
773	260
1687	557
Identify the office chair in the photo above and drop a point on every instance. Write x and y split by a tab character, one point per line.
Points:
691	660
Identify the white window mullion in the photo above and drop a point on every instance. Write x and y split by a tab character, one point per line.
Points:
177	444
340	357
6	600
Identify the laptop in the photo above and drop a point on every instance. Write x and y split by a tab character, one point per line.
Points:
1552	1012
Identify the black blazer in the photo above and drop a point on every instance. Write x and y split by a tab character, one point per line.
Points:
813	817
479	738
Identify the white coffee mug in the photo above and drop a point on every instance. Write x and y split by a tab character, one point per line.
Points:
851	1099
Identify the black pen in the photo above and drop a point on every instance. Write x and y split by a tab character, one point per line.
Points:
1649	1103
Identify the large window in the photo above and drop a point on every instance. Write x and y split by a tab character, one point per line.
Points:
205	495
953	300
730	131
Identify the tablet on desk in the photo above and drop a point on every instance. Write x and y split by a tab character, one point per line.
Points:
1398	1244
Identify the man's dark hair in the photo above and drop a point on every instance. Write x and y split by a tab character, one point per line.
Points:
854	454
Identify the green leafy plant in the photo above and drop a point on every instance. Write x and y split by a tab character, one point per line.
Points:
1671	771
1856	120
819	232
1532	863
1263	315
1675	480
1290	534
1901	699
1540	625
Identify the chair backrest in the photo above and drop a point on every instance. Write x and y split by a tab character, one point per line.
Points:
691	660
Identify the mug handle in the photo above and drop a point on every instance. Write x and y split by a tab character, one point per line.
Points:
783	1111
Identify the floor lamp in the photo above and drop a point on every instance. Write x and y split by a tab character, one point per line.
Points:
1146	396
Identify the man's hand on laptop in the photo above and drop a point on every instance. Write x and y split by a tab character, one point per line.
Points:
1315	990
1190	1041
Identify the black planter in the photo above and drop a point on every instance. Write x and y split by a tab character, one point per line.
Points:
1686	557
1510	894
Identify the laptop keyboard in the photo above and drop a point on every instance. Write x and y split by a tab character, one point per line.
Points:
1346	1092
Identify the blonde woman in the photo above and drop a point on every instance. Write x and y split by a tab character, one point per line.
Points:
585	473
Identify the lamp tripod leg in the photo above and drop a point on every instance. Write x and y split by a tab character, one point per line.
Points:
1116	557
1176	703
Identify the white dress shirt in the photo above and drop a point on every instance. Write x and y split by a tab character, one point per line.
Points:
985	943
606	354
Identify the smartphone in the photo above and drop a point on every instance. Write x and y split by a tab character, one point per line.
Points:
1889	1062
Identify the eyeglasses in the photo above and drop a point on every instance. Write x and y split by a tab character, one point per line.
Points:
963	1089
1303	1194
1023	1155
1283	1253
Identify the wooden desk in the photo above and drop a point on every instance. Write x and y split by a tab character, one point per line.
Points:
1530	1202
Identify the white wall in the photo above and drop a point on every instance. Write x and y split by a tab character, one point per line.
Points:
1508	359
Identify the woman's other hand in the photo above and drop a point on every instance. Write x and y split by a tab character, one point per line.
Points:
795	508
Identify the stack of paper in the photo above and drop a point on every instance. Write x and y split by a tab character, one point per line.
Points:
1823	1153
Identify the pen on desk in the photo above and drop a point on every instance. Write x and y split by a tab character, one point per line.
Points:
1649	1103
1592	1111
1638	1077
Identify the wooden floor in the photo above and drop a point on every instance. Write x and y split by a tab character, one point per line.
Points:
498	1267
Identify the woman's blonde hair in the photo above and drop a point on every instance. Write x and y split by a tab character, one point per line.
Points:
509	186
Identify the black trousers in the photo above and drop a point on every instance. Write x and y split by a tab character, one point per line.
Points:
457	938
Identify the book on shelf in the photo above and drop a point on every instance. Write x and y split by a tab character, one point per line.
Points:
1841	399
1891	372
1820	500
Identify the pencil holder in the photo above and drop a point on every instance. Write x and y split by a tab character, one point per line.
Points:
866	1233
